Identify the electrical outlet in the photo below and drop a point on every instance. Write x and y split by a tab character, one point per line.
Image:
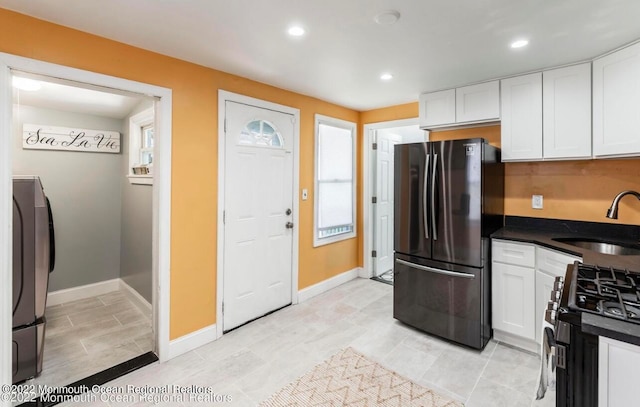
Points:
536	201
305	194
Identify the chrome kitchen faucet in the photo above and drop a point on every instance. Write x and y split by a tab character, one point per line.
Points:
612	213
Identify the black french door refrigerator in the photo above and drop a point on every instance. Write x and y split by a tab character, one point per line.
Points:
449	197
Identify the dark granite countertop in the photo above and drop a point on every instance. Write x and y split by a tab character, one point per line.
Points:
542	231
611	328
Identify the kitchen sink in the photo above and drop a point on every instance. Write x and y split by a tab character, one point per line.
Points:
601	246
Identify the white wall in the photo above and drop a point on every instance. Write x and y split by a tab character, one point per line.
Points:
85	193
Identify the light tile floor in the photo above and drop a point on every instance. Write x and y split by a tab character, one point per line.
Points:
87	336
256	360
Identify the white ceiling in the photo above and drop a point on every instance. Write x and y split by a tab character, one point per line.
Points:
70	97
435	44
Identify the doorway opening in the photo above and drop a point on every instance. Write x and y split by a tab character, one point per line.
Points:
76	141
380	139
18	158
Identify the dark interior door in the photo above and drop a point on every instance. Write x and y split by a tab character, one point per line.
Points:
457	202
411	204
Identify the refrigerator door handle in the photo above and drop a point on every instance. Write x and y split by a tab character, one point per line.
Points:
425	217
433	197
435	270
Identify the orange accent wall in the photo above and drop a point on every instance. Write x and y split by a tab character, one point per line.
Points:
575	190
194	154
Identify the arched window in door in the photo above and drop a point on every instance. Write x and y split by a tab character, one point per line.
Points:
260	133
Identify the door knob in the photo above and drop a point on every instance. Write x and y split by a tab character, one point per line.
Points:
288	212
289	225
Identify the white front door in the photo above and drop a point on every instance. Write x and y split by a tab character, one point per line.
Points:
258	208
384	201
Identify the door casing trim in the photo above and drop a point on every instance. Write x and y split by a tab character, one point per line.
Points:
368	184
224	96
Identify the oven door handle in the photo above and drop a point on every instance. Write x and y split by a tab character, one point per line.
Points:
550	344
553	348
435	270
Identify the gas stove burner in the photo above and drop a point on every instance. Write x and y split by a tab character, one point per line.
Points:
616	310
606	291
633	312
613	309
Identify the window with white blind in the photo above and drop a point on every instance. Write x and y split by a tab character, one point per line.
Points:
335	189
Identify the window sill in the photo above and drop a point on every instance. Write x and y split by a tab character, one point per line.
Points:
333	239
140	179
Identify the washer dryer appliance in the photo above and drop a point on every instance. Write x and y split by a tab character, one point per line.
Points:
33	260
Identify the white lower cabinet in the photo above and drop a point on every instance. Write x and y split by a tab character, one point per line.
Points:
513	299
512	293
544	285
549	265
617	373
522	279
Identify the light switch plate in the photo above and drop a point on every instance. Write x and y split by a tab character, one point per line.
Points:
536	201
305	194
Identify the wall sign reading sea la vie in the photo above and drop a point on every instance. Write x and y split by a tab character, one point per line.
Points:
37	137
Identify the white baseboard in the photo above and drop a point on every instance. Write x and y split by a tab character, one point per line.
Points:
192	341
328	284
516	341
84	291
138	300
364	273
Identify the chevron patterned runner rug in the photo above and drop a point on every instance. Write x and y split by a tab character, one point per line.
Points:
350	379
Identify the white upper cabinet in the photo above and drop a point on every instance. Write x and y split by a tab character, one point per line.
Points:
466	105
437	108
566	107
479	102
616	103
521	101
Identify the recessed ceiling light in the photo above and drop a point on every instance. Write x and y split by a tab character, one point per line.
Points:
386	76
296	31
519	43
387	17
26	84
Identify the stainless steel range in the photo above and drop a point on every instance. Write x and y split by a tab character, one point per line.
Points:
609	292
